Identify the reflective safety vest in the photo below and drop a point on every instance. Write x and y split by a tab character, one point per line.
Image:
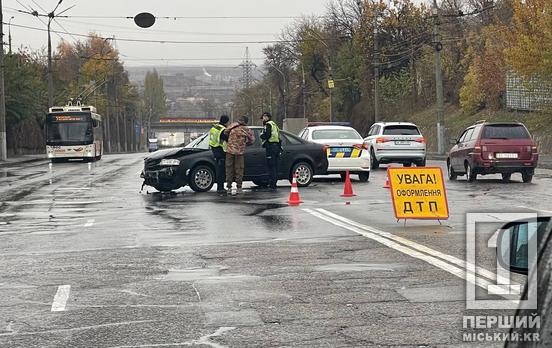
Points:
275	136
214	139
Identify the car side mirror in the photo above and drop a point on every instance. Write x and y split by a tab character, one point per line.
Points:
513	252
453	141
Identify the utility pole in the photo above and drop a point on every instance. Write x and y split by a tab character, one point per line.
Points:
3	146
376	75
413	79
304	92
51	17
107	119
438	81
50	75
9	35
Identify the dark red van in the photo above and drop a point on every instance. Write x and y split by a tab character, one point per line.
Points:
493	148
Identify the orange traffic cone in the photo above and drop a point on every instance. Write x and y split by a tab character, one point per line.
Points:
294	198
348	190
387	183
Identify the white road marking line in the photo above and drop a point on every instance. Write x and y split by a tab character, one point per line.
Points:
89	223
60	300
454	260
459	272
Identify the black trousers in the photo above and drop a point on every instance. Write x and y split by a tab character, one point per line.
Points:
272	159
220	167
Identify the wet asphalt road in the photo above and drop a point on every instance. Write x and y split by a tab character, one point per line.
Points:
89	261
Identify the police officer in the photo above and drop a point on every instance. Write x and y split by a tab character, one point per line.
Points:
218	143
273	145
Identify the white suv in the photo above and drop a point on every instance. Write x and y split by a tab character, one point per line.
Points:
396	142
345	149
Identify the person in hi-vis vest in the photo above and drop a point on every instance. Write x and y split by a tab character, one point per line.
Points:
218	143
273	144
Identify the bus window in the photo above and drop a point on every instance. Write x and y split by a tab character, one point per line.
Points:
69	132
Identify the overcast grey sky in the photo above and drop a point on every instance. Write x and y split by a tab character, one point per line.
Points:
179	29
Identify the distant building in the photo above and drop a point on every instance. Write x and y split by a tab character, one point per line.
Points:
527	95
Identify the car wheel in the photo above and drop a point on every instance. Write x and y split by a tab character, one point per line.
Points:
202	178
506	177
364	177
304	173
527	177
470	173
343	176
451	173
374	164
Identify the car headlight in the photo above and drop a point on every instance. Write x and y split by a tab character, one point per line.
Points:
170	162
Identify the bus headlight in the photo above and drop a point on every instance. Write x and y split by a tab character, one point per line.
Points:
169	162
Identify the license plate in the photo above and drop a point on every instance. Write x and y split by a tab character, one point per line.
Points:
341	149
402	142
506	155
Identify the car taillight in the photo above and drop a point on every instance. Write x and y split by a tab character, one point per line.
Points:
420	140
325	148
382	140
477	149
535	149
361	146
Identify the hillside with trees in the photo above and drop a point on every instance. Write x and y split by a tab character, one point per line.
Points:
481	42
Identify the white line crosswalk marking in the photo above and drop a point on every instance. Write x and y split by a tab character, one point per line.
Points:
60	300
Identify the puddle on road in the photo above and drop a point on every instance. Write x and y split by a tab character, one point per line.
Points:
359	267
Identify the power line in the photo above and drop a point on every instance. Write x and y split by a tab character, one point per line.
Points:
188	17
168	31
171	17
168	41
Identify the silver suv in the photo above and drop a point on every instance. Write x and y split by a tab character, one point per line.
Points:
396	142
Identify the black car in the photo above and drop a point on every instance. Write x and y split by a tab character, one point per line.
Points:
194	165
513	255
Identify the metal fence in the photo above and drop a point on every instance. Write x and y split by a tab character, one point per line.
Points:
527	94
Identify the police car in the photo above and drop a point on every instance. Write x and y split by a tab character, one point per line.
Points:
345	149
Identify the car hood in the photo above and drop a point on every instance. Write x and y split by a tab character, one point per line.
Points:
176	152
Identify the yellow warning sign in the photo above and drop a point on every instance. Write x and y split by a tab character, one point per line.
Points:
331	84
418	193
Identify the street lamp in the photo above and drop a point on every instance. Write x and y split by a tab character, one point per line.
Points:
9	35
285	88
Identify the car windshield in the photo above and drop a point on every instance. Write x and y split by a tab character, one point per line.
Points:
401	130
330	134
200	143
505	131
